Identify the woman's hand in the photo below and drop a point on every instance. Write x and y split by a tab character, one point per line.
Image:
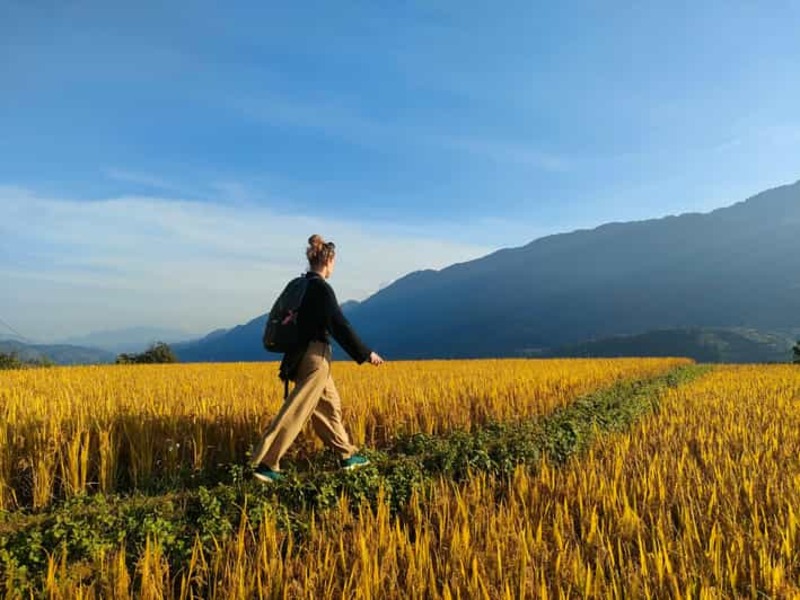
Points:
375	359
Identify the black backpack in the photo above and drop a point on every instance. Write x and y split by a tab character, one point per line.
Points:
282	333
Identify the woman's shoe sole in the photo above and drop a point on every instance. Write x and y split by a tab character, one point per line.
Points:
356	466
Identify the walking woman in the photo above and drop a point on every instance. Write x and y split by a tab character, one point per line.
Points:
314	395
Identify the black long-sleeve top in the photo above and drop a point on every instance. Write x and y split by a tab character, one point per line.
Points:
320	315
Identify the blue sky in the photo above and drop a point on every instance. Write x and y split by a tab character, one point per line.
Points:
163	163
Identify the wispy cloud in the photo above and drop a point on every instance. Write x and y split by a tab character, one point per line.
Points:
505	152
327	116
141	178
79	265
337	119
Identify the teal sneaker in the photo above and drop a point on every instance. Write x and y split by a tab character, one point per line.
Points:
354	462
267	475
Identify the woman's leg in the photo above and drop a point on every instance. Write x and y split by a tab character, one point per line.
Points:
312	376
327	421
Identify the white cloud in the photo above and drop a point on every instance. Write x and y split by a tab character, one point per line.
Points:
75	266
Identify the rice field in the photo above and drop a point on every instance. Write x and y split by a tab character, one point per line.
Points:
68	431
699	499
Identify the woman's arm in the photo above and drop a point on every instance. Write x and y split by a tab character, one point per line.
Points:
343	332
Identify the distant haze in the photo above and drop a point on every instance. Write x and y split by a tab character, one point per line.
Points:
130	340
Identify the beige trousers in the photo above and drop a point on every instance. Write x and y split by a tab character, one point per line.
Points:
314	397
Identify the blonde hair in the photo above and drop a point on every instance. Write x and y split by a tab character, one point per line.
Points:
319	252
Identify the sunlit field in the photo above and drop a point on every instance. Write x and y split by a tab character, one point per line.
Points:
699	500
698	497
73	430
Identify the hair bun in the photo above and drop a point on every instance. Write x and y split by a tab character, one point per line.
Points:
319	252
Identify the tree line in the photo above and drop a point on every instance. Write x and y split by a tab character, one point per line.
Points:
158	352
12	360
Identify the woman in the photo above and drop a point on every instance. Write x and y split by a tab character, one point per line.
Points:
314	396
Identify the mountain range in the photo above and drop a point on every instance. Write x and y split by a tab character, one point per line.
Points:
61	354
734	269
706	345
